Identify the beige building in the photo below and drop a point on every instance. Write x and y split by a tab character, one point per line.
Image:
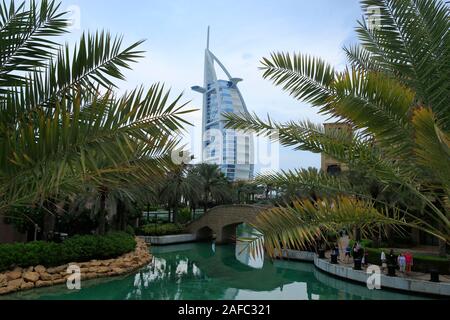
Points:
330	165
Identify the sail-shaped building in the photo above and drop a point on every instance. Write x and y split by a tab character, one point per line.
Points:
232	150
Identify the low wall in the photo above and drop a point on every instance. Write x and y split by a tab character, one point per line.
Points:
298	255
166	240
21	279
404	284
397	283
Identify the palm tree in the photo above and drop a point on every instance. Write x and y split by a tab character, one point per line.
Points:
62	129
179	184
213	183
395	94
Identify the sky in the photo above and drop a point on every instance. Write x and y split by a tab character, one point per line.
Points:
242	33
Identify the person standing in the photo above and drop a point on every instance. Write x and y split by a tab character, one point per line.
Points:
383	261
409	262
402	263
348	254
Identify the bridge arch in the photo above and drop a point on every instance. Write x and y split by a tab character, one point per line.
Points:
223	221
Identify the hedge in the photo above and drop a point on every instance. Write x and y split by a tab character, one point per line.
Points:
76	249
421	263
161	229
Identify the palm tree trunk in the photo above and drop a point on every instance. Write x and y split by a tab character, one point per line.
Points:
442	248
205	204
175	213
49	220
102	214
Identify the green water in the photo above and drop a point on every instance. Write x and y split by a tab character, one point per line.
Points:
205	271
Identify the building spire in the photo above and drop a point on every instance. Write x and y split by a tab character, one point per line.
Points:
207	40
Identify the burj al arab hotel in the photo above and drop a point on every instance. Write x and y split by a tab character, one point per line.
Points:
232	150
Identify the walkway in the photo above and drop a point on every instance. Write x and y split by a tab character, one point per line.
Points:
411	275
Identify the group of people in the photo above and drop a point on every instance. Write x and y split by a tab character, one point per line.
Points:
357	252
404	261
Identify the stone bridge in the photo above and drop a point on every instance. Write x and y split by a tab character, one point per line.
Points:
221	222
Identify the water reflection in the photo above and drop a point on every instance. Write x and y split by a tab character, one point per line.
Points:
243	253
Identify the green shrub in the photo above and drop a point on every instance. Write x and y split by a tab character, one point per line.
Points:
76	249
161	229
184	216
130	230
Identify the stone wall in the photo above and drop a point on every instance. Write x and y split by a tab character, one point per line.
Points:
21	279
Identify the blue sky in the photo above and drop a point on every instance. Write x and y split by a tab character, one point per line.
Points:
243	31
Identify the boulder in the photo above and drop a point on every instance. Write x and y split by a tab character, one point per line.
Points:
59	281
95	263
46	276
118	270
40	269
13	275
5	290
18	269
56	276
15	284
103	269
27	286
93	269
29	269
31	276
3	281
57	269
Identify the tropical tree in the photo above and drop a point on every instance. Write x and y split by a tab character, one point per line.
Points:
213	184
179	184
395	94
62	128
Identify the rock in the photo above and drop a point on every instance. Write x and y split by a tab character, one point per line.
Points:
13	275
18	269
40	269
27	286
57	269
95	263
56	276
103	269
5	290
31	276
41	284
46	276
93	269
30	269
3	281
15	284
118	270
59	281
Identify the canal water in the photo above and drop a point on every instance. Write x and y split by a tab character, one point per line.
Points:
203	271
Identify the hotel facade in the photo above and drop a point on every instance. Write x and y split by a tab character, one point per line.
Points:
232	150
